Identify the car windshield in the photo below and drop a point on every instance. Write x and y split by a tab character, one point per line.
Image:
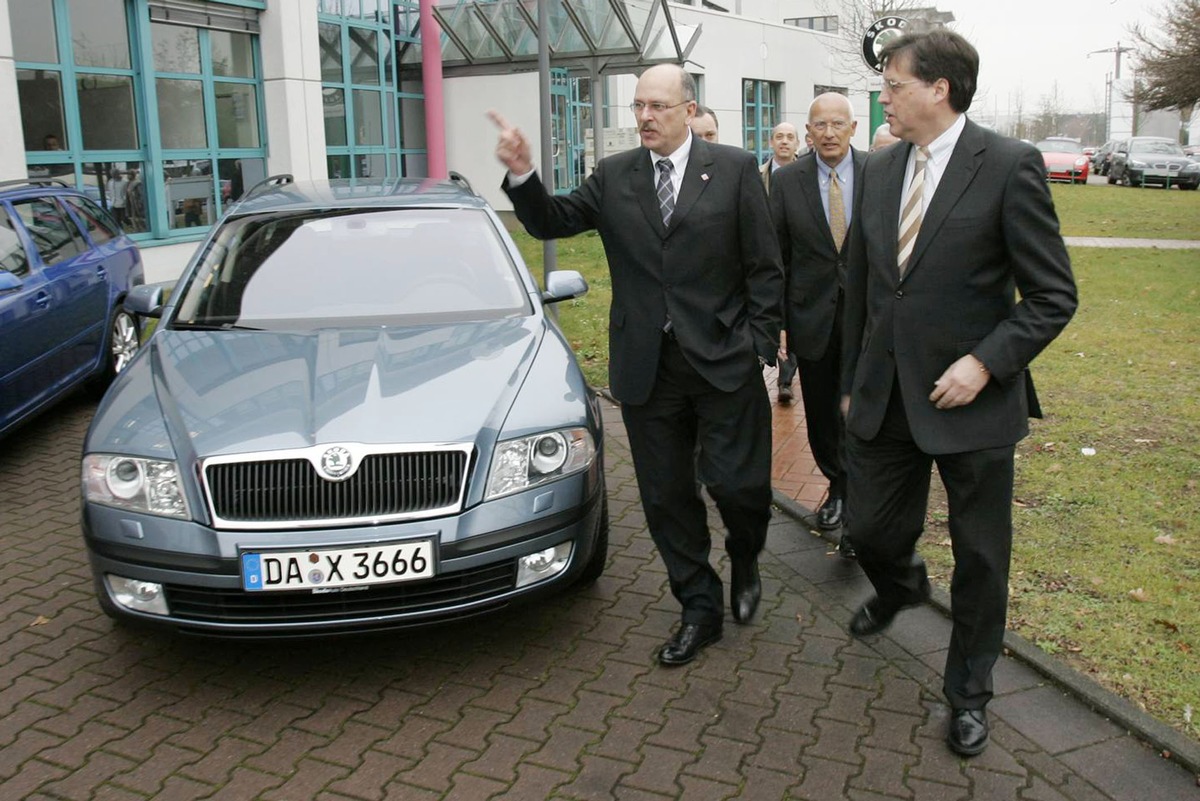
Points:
349	268
1059	146
1158	148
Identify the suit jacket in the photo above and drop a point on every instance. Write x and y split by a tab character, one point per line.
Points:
990	231
715	270
766	173
814	270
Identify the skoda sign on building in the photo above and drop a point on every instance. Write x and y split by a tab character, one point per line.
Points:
879	33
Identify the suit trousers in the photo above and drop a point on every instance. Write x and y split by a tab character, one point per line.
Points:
733	430
820	389
889	479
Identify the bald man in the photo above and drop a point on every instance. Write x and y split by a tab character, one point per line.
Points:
785	144
883	137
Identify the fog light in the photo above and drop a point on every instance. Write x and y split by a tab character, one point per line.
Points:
140	596
542	565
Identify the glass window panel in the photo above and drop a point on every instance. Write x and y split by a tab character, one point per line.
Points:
329	6
176	49
39	93
99	34
136	216
38	171
232	54
389	102
331	52
56	237
335	117
388	62
364	56
416	165
106	112
339	166
412	123
368	118
237	114
189	192
372	165
181	113
238	175
100	226
33	33
12	252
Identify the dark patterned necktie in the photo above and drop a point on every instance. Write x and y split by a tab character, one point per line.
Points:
666	190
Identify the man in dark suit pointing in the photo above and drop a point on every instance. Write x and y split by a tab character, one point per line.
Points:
696	283
955	221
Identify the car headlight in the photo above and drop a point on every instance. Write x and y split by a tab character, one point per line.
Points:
1079	162
526	462
1193	167
1137	165
130	482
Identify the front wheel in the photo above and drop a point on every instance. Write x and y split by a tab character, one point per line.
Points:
121	344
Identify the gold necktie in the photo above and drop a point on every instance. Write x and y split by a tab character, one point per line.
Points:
914	208
837	211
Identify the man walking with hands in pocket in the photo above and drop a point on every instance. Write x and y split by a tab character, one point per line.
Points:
696	283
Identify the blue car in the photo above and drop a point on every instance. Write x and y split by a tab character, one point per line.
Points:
66	269
354	414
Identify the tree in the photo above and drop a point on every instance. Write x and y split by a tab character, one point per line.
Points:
1169	71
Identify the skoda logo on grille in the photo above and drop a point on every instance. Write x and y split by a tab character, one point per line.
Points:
336	463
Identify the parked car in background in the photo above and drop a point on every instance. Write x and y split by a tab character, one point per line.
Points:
1064	160
354	414
66	269
1102	158
1192	151
1090	151
1143	160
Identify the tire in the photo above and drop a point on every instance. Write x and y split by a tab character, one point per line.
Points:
1111	179
121	342
596	563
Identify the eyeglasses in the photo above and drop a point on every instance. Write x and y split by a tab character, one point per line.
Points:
894	85
837	125
637	106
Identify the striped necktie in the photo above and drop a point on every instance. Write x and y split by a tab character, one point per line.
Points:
914	208
837	211
666	190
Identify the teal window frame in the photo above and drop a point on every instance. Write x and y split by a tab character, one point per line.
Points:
760	114
150	153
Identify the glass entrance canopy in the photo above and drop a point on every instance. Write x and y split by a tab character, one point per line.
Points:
491	36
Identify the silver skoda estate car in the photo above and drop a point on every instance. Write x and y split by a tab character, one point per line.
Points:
354	414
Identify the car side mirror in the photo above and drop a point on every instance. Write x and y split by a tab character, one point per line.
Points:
564	285
145	300
9	282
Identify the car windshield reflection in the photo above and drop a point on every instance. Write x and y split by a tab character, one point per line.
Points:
358	268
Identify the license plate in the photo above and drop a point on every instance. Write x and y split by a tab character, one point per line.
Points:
345	567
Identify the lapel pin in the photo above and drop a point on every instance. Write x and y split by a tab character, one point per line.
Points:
703	176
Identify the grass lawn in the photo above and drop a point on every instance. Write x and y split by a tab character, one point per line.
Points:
1107	549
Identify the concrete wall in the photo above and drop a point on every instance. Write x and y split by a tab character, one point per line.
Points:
12	137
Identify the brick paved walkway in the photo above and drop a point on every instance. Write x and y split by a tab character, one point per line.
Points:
562	700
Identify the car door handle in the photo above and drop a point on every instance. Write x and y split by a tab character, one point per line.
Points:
42	300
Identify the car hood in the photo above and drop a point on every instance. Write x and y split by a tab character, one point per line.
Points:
207	393
1053	158
1160	158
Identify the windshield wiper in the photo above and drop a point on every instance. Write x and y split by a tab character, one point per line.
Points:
213	326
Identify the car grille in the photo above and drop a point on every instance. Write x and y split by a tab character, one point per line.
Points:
447	592
385	486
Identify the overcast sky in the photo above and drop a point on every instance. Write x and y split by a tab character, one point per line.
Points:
1027	45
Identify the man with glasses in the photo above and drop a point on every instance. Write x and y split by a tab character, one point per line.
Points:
696	282
812	203
955	221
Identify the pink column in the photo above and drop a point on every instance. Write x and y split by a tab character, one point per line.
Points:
431	80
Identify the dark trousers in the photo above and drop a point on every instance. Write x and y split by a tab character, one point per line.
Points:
733	430
820	389
889	492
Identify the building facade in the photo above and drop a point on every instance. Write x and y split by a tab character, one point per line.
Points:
167	111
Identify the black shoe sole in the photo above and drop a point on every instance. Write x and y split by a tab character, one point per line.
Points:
700	647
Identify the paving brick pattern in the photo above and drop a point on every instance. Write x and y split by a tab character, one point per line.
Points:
560	700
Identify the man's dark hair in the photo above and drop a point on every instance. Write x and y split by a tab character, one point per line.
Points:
702	111
939	54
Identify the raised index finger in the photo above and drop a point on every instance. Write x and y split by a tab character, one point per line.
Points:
498	120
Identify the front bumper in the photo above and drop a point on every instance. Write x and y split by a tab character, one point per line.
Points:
477	555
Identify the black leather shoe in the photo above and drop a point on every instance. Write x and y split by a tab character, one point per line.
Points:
687	641
968	733
785	393
874	616
846	548
831	513
745	590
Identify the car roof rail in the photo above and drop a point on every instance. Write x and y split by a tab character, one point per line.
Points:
35	182
459	178
281	179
